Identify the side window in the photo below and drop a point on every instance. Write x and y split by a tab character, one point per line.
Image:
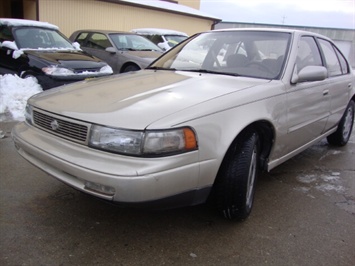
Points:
332	62
5	34
149	37
121	41
308	53
98	41
156	38
81	38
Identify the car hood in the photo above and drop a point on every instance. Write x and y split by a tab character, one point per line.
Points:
136	99
150	55
68	59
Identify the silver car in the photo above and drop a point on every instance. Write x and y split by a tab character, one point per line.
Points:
199	124
123	51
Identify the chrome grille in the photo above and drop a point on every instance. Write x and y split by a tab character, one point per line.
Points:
91	70
61	126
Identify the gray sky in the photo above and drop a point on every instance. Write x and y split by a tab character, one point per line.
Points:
318	13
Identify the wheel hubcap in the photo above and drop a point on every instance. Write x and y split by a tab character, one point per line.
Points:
251	180
348	123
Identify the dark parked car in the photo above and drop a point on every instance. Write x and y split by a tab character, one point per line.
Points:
123	51
33	48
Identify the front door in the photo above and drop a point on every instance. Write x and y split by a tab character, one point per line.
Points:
307	102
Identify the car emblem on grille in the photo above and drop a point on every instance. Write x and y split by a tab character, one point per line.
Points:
54	125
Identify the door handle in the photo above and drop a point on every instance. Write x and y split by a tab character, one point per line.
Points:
325	92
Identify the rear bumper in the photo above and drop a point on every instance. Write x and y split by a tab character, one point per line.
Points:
143	182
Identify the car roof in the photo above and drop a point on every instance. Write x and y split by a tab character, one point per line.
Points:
26	23
104	31
158	31
292	31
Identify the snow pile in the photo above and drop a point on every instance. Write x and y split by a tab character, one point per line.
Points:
14	93
26	22
18	52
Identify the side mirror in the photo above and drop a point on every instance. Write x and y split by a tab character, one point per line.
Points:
76	46
310	73
110	50
162	46
9	45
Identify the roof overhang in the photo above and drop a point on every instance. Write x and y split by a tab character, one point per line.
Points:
167	7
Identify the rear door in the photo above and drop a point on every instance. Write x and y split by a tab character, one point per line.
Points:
340	81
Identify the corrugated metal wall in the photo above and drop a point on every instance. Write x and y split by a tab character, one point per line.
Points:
191	3
71	15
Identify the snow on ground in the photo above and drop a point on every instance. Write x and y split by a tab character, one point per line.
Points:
14	93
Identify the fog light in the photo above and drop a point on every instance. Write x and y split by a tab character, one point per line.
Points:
110	191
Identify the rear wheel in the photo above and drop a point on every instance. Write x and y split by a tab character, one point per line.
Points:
343	133
235	184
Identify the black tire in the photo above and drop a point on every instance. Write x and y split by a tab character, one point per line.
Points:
28	74
343	133
234	189
130	68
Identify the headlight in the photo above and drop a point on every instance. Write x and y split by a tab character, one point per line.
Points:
57	71
61	71
141	143
28	114
116	140
169	141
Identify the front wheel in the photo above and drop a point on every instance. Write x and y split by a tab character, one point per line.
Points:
130	68
29	74
343	133
235	183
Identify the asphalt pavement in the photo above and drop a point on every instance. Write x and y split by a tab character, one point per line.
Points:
304	214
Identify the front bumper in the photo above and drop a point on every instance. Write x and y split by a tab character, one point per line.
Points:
129	180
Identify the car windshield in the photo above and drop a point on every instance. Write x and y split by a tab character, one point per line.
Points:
174	39
133	42
258	54
40	38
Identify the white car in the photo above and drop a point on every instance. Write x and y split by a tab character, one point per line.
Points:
164	38
192	128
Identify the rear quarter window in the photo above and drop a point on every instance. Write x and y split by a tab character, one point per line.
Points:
343	63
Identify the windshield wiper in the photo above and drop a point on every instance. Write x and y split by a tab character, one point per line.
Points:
161	68
147	50
210	72
133	49
127	49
